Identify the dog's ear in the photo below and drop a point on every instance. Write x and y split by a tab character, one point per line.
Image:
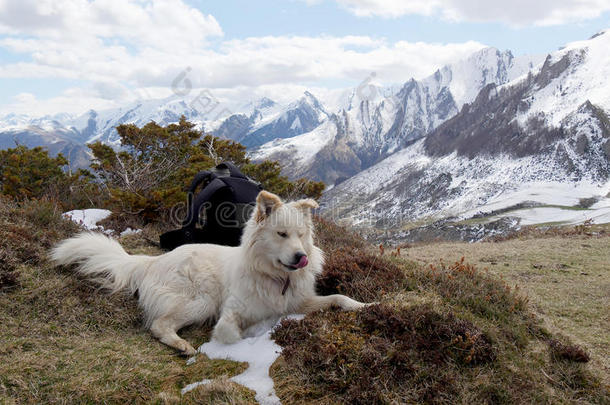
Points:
306	205
266	203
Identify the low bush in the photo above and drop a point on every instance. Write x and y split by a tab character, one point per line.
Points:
27	230
330	236
30	173
31	227
149	176
567	351
383	354
359	274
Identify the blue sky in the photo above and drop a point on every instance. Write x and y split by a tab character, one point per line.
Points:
73	55
276	17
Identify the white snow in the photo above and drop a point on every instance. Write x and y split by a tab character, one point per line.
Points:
302	147
467	77
130	231
88	218
479	185
296	124
258	350
585	79
282	113
375	177
548	193
194	385
543	215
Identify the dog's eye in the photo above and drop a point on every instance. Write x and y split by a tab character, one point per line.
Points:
283	234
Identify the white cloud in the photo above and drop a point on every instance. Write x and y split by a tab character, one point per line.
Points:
129	49
73	100
159	24
514	13
389	8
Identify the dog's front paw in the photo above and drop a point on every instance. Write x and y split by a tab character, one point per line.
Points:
188	350
226	333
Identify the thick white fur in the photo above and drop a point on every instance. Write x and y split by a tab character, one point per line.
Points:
237	286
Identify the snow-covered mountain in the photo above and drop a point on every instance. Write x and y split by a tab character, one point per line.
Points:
365	124
536	144
66	134
256	122
48	131
100	125
488	136
375	122
268	121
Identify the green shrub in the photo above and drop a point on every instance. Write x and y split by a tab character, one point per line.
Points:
152	171
27	173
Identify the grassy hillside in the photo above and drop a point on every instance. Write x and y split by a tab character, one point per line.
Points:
442	333
565	274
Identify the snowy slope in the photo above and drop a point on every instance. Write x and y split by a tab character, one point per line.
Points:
375	121
467	77
410	186
541	141
272	121
301	149
586	79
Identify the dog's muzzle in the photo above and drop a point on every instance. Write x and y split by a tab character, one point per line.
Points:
300	261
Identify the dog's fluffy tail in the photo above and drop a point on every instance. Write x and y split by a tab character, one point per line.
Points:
103	260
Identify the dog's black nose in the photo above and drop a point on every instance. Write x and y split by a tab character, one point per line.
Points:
298	256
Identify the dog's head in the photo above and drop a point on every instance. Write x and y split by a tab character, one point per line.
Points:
281	234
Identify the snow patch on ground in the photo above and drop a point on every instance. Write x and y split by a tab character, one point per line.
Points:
465	187
258	350
130	231
543	215
88	218
550	193
194	385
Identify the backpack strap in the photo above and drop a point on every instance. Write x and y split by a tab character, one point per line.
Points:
199	178
233	170
202	177
203	196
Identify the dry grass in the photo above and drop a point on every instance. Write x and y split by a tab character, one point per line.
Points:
588	228
27	230
567	279
63	341
220	391
460	336
446	334
331	236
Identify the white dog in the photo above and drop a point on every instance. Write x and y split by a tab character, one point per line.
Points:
272	273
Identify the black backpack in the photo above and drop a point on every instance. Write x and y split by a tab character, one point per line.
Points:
227	198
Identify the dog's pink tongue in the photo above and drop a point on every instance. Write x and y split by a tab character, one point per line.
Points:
302	263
